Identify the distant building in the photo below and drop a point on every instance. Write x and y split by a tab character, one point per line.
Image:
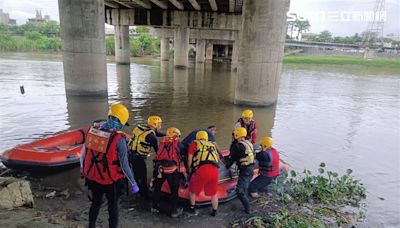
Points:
12	21
39	19
5	18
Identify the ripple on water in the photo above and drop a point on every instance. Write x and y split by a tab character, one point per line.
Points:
334	114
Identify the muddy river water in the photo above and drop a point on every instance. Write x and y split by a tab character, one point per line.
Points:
345	116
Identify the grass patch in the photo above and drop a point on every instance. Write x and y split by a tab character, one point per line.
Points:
341	60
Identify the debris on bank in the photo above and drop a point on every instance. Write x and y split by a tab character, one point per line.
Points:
15	193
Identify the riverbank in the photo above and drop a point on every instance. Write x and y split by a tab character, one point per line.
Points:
341	60
303	199
68	206
299	60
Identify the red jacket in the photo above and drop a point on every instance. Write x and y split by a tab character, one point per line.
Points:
104	168
168	151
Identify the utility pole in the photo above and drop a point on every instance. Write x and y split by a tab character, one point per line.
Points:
373	36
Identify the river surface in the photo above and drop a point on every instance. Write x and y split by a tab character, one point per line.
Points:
345	116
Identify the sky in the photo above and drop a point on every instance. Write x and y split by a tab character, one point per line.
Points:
329	15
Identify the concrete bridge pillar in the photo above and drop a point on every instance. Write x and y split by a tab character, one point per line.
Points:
122	52
226	51
200	50
181	47
209	51
235	54
83	44
164	49
262	42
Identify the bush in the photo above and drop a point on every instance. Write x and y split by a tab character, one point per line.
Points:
326	187
144	45
50	44
30	37
142	29
33	35
306	200
33	38
135	47
110	45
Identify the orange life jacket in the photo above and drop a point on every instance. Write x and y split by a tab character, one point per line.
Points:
101	162
168	154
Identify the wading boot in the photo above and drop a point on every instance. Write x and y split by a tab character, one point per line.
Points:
177	213
193	211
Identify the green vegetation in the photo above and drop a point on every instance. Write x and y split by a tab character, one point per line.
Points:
300	26
306	200
30	37
326	187
145	44
142	45
341	60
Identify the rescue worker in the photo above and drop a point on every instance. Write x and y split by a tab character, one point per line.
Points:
242	152
166	167
203	168
268	166
249	123
144	138
211	132
104	163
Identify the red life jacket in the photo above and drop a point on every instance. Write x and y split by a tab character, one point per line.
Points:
168	152
272	170
250	128
103	167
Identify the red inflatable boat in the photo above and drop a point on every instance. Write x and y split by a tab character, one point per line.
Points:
226	186
55	153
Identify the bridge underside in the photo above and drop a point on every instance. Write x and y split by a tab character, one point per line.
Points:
256	30
226	6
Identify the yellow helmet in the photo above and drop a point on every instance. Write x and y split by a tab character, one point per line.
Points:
239	132
173	132
154	121
202	135
119	111
248	113
266	142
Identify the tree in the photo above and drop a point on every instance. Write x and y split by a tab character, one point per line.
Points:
291	28
51	28
34	35
302	26
357	38
142	29
338	39
325	36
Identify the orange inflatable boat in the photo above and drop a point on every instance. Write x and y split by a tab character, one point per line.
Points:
55	153
226	186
